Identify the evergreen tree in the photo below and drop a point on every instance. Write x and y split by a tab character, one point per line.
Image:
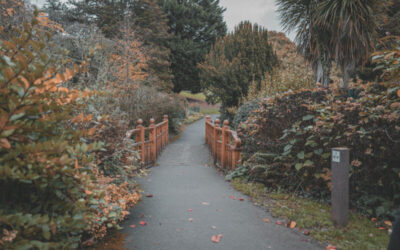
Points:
150	25
242	57
106	14
195	25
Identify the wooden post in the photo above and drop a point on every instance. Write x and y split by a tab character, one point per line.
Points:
208	119
236	153
166	130
225	138
215	142
153	138
141	139
340	186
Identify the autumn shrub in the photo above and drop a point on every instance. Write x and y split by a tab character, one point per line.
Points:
53	195
287	143
146	103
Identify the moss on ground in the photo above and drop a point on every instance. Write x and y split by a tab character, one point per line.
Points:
360	233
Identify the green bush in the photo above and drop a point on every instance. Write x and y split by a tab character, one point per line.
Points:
244	112
287	143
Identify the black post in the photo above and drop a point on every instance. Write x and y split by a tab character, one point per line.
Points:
340	186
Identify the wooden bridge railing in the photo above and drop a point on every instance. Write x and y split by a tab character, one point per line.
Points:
150	141
224	143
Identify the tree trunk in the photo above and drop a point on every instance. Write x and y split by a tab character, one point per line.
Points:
348	70
326	70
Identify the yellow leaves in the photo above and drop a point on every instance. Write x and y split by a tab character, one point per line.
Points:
91	131
4	143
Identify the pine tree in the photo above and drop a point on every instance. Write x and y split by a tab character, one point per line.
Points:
106	14
195	25
234	62
150	25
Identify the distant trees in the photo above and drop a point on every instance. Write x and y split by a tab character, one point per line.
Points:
195	25
236	60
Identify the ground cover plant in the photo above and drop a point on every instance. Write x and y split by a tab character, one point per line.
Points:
312	218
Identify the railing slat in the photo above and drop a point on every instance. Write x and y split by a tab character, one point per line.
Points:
224	143
157	139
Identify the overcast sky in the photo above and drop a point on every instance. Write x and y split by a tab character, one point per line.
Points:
262	12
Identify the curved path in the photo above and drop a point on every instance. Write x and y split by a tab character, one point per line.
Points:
191	203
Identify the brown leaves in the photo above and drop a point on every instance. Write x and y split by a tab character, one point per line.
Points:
149	195
4	143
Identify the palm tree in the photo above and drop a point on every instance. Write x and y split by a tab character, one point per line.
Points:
352	24
311	38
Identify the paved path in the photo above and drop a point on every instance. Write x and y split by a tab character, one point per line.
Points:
182	181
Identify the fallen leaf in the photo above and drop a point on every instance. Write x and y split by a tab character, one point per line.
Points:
142	216
306	232
190	210
132	226
330	247
190	219
292	224
267	220
205	203
241	199
388	223
232	197
279	223
373	219
381	228
398	93
143	223
149	195
216	238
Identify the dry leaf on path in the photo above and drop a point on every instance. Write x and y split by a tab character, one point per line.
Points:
330	247
216	238
205	203
132	226
267	220
190	210
149	195
292	224
143	223
241	199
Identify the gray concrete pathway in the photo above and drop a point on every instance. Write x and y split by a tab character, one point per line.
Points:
191	203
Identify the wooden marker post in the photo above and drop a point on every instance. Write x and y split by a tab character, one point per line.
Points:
340	186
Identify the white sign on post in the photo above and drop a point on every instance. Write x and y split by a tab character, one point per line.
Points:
335	156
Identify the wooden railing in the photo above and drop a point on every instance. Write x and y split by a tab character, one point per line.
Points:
224	143
150	141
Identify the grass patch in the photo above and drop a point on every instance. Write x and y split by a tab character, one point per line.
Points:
198	96
361	233
209	111
193	118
